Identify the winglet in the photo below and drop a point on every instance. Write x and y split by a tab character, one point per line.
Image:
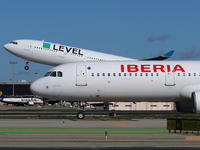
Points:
144	58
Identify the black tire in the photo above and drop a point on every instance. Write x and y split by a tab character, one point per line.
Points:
80	115
26	67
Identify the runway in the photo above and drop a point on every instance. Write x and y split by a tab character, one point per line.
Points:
91	134
87	112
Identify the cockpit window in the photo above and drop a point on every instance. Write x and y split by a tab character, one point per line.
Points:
59	74
53	74
14	42
47	74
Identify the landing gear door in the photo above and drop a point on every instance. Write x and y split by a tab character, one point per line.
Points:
169	76
81	75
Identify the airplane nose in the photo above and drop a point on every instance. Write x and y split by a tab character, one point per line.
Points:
34	87
39	87
6	46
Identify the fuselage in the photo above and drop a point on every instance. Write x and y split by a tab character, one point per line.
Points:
121	81
55	54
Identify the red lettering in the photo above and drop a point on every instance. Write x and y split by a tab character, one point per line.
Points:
158	67
168	68
145	68
122	68
178	68
132	68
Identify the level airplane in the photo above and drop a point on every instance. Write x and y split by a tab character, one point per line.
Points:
20	101
124	81
55	54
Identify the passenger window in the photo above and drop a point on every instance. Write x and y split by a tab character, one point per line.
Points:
183	74
152	74
141	74
92	74
109	74
194	74
130	74
189	74
59	74
97	74
53	74
125	74
146	74
119	74
114	74
157	74
135	74
103	74
178	74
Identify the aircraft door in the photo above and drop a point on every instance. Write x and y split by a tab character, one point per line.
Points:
27	46
81	75
169	75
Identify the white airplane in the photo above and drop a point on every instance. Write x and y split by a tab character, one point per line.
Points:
20	101
124	81
55	54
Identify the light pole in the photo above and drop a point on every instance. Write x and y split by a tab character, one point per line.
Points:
13	63
36	75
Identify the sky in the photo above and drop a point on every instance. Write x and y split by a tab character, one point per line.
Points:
129	28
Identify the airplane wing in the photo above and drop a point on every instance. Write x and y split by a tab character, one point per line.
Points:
162	57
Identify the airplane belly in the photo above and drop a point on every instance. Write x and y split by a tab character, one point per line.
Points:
127	90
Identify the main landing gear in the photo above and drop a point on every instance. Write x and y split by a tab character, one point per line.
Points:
26	67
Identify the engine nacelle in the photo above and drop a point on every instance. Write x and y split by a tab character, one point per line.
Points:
190	106
196	101
184	107
30	102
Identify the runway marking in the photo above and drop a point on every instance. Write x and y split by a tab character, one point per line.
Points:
121	125
82	131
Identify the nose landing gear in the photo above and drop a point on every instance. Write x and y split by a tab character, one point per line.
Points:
80	115
26	67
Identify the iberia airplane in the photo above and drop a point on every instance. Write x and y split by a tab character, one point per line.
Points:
55	54
123	81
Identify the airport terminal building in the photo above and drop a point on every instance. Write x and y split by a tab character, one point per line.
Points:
20	88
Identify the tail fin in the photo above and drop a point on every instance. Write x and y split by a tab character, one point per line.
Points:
2	95
162	57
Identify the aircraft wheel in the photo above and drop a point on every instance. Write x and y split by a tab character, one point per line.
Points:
26	67
80	115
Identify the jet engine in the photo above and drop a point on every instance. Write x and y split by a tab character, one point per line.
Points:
184	107
30	102
196	102
190	106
